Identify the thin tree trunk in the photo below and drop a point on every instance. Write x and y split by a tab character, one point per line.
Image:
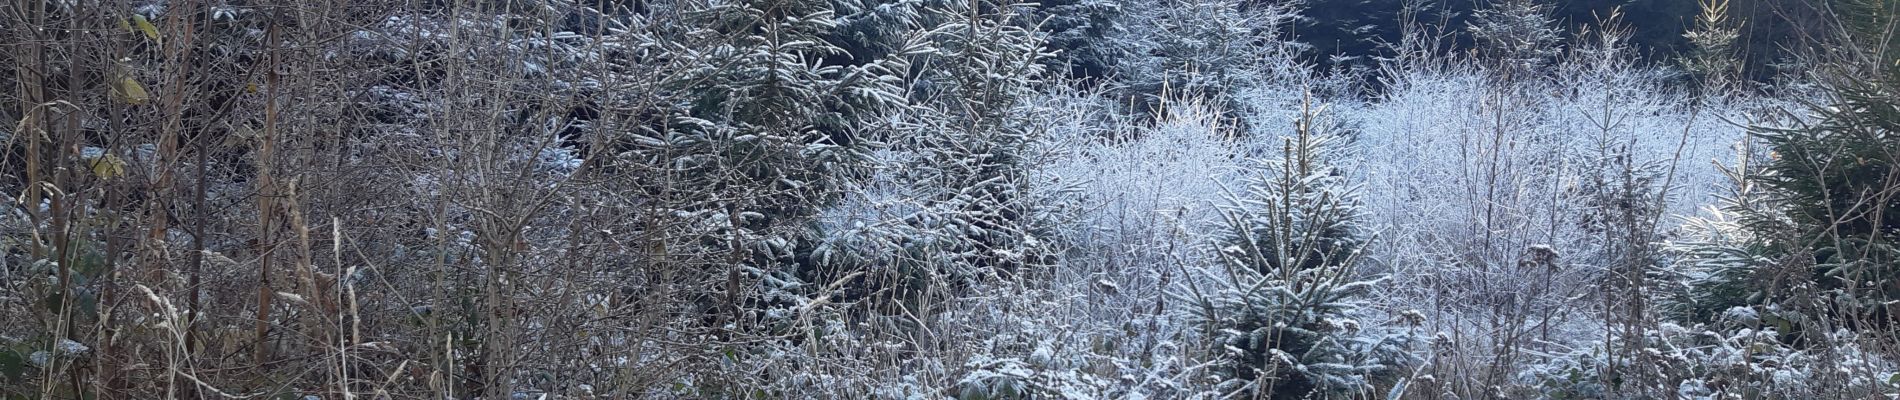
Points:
266	196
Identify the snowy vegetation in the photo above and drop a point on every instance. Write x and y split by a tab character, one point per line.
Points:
1072	199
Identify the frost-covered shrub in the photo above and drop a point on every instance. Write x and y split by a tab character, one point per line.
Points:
1041	375
1727	360
1467	165
1143	185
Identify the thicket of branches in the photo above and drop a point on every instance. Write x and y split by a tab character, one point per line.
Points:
933	199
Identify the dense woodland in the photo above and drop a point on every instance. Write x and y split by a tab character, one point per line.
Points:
963	199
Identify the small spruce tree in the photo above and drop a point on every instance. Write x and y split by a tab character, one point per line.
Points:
1280	297
744	134
1819	239
972	73
1518	34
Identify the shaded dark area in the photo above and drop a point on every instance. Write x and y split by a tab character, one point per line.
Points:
1357	33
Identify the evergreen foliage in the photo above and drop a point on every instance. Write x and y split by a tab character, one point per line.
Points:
1279	303
755	133
1080	34
1517	33
760	113
1212	49
1824	223
969	142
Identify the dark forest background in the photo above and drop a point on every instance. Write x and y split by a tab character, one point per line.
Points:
1356	34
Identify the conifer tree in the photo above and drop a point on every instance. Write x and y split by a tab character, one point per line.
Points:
1837	181
749	133
1518	34
1212	49
1279	299
1078	33
969	139
1711	57
1819	239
